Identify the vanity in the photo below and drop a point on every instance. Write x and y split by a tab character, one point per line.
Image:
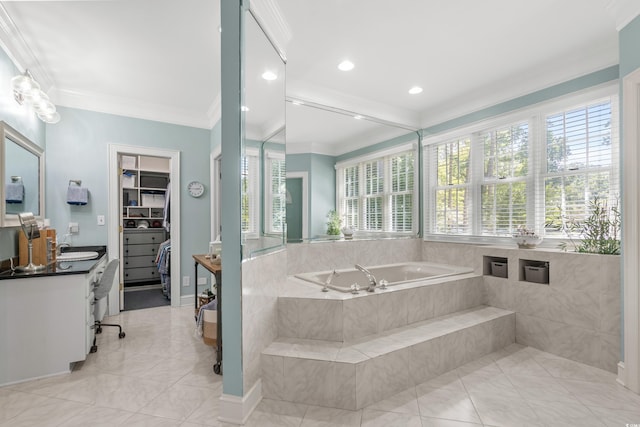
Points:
46	318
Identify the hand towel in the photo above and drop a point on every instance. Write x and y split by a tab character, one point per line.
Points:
14	192
77	195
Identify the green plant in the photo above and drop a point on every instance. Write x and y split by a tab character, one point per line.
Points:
599	232
333	224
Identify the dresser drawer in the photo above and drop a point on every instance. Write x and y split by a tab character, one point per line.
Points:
140	261
138	250
137	274
143	237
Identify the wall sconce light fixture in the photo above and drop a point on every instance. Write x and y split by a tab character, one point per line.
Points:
26	91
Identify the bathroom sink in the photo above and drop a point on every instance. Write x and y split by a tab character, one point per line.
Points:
77	256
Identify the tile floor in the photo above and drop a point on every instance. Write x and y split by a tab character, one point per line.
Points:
161	375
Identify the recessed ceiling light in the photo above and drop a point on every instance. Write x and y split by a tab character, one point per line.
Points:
415	90
346	65
244	108
269	75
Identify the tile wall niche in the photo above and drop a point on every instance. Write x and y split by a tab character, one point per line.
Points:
577	315
261	280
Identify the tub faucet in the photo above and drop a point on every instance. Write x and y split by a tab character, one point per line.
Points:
327	282
370	277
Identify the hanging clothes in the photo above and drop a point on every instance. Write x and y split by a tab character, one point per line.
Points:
163	262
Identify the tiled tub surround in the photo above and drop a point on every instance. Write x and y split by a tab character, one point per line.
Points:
304	311
352	375
262	281
577	315
337	254
393	274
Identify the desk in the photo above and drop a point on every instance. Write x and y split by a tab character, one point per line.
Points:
216	269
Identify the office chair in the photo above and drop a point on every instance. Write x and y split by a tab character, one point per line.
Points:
101	290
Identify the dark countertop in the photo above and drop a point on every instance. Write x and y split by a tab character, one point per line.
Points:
62	268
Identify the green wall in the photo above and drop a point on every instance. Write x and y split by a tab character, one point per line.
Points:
77	148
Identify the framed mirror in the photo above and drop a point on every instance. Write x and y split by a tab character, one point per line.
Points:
263	151
22	177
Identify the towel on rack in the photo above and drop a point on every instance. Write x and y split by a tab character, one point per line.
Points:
14	192
77	195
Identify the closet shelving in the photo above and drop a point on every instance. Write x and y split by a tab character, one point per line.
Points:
144	181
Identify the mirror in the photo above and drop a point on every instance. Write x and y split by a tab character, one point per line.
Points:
263	164
318	137
23	177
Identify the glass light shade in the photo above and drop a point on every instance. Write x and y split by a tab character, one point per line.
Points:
24	84
44	106
35	96
50	118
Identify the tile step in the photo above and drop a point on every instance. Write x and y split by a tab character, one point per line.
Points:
355	374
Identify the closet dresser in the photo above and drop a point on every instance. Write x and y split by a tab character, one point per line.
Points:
140	248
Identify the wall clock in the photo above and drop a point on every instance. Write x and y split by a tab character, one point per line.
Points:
195	188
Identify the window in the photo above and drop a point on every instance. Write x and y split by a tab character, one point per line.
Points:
378	194
452	190
276	192
526	171
504	184
579	161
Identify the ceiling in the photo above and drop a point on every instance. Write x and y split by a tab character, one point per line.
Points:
160	60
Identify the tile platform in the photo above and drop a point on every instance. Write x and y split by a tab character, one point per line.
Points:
354	374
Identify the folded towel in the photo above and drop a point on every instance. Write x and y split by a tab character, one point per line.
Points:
14	192
77	195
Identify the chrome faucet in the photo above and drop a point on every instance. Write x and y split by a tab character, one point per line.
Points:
370	277
62	245
327	282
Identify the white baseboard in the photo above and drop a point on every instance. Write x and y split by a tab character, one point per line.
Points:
187	300
622	379
235	409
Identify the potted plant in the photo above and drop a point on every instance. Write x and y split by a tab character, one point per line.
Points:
333	223
600	231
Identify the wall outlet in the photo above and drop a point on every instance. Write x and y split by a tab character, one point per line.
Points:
186	280
202	280
74	228
101	220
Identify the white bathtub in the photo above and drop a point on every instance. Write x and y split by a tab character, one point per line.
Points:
395	274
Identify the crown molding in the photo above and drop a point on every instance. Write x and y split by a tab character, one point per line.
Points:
20	53
623	11
214	113
132	108
273	23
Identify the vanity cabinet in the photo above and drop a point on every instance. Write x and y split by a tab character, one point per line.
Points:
140	248
47	321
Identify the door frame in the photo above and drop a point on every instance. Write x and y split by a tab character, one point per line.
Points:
305	200
114	224
215	159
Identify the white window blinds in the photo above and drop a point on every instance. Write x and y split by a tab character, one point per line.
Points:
378	194
528	172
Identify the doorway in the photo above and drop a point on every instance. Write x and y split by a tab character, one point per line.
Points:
116	226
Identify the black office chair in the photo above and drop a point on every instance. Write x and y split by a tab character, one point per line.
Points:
101	290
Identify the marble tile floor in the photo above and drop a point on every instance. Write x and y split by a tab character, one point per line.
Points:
161	375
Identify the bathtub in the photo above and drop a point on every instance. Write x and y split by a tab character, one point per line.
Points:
395	274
